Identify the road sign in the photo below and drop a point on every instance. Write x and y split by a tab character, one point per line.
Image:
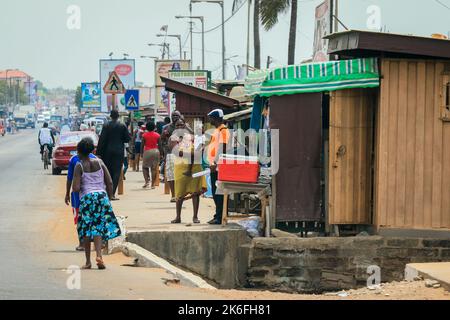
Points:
132	100
114	85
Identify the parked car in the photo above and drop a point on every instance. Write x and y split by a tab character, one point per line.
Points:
2	127
66	148
41	119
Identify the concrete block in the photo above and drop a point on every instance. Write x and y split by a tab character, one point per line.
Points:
436	243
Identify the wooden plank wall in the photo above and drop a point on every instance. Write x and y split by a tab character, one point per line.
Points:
350	177
412	183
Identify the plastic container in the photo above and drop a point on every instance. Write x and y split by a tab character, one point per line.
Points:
233	168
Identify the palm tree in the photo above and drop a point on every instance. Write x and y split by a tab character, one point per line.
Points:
256	36
270	11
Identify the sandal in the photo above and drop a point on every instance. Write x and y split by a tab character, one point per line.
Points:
100	264
87	267
146	186
176	221
173	200
196	221
79	249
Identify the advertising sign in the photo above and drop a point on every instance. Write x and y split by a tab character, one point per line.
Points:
322	29
125	69
90	96
163	99
196	78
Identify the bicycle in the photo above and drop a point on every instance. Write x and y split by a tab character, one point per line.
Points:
46	158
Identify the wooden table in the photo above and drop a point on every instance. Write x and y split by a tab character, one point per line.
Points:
264	192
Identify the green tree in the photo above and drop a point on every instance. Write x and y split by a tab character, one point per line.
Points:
270	12
78	98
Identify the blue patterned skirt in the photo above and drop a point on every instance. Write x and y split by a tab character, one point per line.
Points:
96	218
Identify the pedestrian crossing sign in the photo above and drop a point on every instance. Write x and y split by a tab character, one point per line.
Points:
132	100
114	85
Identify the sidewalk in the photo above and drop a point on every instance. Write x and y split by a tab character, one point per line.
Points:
147	209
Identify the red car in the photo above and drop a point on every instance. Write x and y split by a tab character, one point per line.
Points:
66	148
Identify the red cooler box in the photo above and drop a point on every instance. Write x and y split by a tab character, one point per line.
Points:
233	168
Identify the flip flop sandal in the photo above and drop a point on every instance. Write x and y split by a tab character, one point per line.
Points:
87	267
176	222
100	264
196	221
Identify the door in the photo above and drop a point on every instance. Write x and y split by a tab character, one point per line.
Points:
351	156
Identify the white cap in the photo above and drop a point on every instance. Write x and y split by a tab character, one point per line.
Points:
218	113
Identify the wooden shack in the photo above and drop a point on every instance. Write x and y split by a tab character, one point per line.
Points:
372	154
410	156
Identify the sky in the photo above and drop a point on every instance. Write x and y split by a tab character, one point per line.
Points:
35	37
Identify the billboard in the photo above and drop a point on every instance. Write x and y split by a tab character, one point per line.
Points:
91	96
126	70
196	78
322	29
163	98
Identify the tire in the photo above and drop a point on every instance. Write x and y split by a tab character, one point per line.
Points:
56	171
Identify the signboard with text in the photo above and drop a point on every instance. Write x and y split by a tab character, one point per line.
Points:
163	98
322	29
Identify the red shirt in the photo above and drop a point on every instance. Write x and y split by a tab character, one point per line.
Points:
151	140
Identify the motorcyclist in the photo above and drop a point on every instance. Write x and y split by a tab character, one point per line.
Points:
46	137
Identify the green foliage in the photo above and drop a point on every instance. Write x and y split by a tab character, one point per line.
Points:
78	98
270	11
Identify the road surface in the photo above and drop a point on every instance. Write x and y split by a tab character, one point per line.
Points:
38	238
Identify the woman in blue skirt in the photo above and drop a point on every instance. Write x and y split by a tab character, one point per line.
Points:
96	221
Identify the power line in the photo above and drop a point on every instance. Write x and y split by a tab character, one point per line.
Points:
442	4
220	25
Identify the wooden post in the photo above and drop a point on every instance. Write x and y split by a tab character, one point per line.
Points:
121	186
113	101
166	183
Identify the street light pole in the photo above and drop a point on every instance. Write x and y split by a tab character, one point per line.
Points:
202	19
178	36
224	60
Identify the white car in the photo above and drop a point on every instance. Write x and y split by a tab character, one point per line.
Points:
40	119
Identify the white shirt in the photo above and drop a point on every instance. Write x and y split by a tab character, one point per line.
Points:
45	136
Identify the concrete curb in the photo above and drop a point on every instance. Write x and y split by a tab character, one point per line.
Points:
147	259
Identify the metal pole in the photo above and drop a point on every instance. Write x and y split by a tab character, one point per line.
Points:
203	43
192	41
336	10
224	61
248	35
181	49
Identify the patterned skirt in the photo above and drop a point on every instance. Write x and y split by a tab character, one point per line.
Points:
96	218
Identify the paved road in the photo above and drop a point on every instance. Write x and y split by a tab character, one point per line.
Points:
33	218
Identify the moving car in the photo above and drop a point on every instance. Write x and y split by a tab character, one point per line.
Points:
66	148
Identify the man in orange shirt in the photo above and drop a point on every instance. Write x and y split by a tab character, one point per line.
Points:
217	146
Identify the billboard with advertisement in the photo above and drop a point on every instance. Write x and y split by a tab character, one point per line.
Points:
126	70
322	29
91	96
196	78
163	98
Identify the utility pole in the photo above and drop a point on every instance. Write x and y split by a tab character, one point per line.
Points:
192	32
248	33
336	13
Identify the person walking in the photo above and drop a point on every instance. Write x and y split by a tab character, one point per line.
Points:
186	186
74	197
96	222
137	138
217	146
111	148
150	152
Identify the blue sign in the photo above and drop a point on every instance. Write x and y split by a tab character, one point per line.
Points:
132	100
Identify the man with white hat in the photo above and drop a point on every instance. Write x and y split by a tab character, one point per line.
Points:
216	147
